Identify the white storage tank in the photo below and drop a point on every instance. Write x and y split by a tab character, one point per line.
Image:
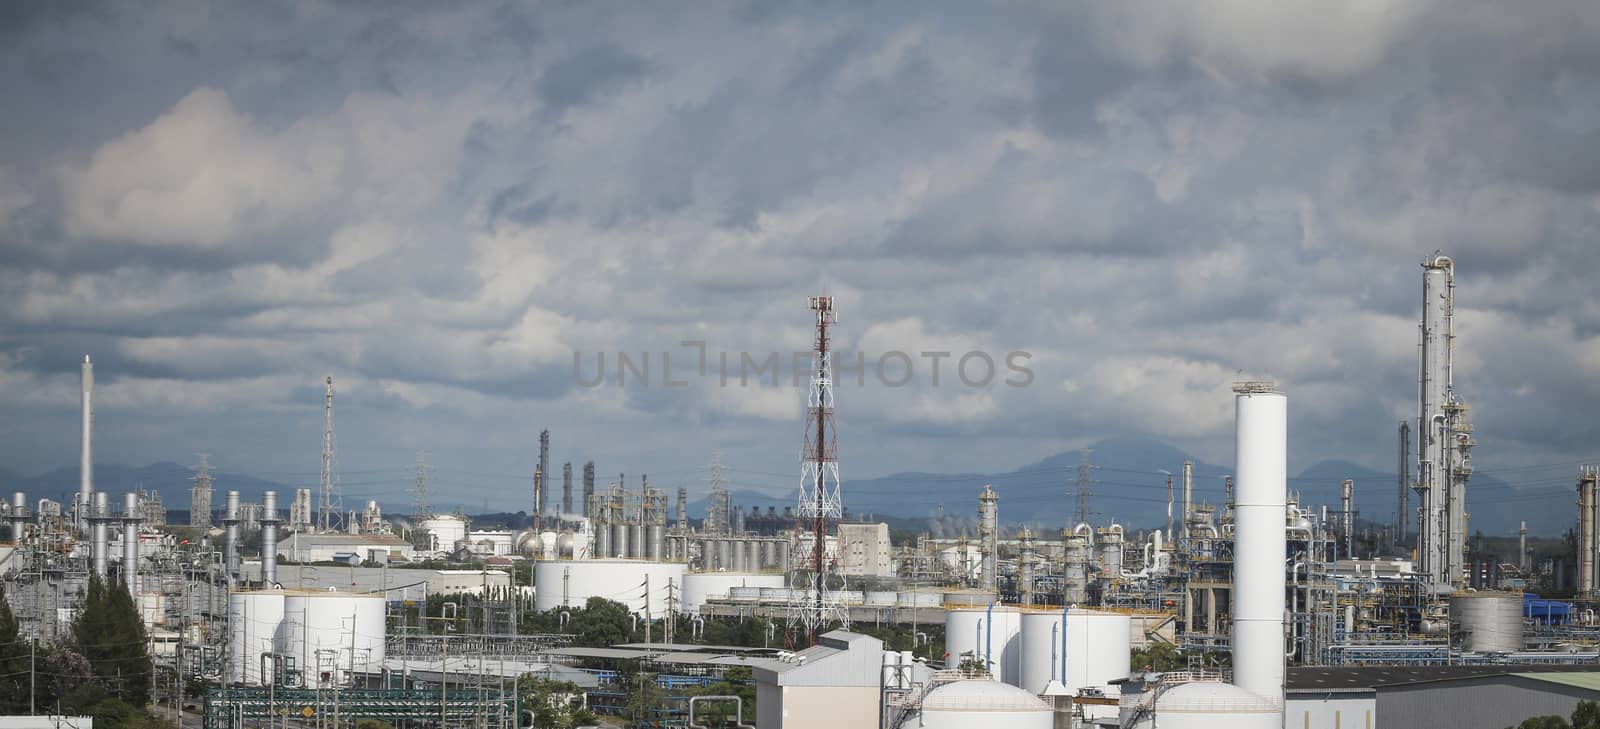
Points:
982	704
570	583
992	637
700	586
444	531
253	621
1214	705
1097	650
329	634
1487	622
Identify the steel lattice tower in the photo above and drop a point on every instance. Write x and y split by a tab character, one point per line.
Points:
331	505
200	496
419	498
819	480
1085	489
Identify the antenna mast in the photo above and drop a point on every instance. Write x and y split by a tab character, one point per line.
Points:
819	480
331	504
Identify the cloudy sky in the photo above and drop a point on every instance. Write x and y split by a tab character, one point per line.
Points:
440	206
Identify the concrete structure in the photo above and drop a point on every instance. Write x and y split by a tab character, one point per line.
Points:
378	548
834	683
864	550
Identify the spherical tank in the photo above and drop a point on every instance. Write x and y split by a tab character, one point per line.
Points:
332	633
700	586
982	704
1097	650
253	620
1215	705
528	543
1488	622
970	635
564	545
572	583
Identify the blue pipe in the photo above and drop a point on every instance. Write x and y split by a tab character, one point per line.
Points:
988	641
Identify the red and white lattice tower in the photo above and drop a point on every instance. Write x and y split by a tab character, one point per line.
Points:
817	603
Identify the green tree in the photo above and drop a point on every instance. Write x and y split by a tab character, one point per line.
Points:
601	622
645	698
1158	657
14	680
1545	722
1586	715
110	635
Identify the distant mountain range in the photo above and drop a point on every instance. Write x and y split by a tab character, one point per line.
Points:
1126	478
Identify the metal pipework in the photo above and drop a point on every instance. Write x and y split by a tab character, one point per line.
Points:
19	516
86	451
738	709
130	542
1347	516
1188	495
230	548
99	546
269	539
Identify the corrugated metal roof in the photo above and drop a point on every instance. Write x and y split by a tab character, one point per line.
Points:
1589	680
617	653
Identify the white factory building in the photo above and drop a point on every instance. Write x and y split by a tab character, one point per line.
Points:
360	548
864	550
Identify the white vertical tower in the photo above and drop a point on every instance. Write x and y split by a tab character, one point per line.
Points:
989	537
1444	435
86	449
1261	442
819	480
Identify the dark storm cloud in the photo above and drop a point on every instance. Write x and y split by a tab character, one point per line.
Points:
440	204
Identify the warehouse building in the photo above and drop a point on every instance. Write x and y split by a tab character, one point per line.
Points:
1461	697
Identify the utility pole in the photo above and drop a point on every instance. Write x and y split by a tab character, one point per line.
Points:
647	608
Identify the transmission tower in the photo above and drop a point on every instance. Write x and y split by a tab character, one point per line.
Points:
419	498
588	490
819	481
566	488
200	497
717	506
1085	488
332	504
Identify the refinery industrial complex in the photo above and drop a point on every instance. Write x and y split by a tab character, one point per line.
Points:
614	607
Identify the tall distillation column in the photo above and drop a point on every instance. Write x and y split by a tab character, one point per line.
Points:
1444	435
230	536
86	446
99	517
1588	489
130	542
988	537
269	539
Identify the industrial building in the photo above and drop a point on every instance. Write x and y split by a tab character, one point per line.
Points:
1009	626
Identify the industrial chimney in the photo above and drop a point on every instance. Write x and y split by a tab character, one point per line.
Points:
86	452
99	540
130	541
230	547
1261	413
269	539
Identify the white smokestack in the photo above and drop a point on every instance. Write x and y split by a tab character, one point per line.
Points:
86	452
230	536
1261	424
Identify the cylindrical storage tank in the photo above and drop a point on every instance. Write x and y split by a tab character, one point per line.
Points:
657	542
881	598
991	636
783	555
1215	705
736	554
636	539
768	560
572	583
253	621
701	586
968	598
619	540
329	634
1096	650
752	555
982	704
723	558
445	531
1487	622
602	541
